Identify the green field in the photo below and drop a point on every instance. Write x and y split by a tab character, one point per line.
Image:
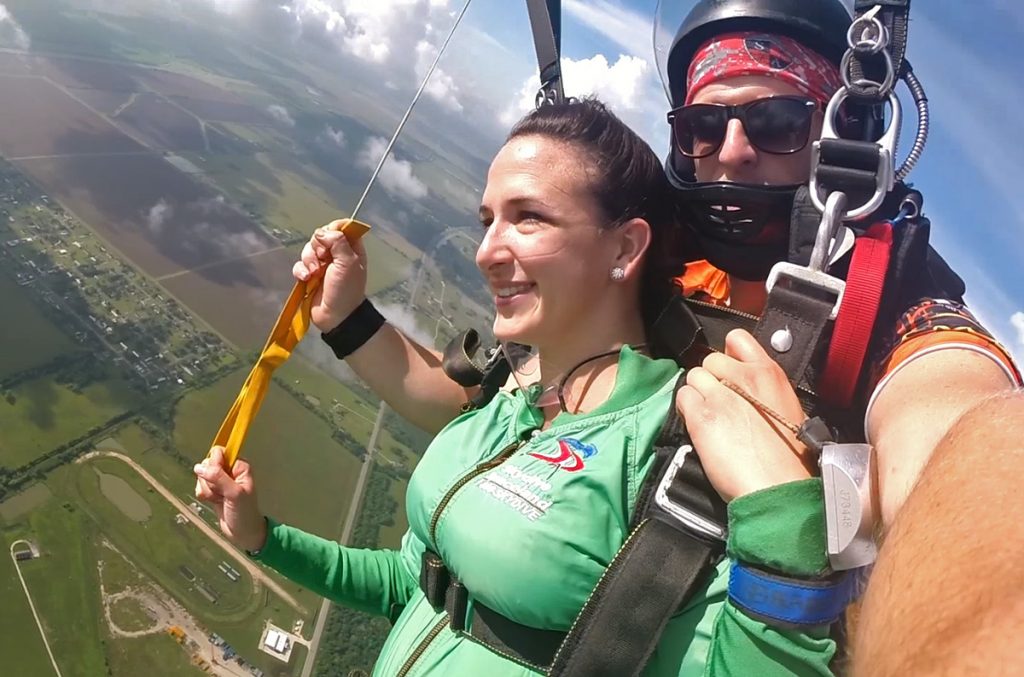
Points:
20	644
304	477
64	583
160	546
144	655
46	415
24	502
31	340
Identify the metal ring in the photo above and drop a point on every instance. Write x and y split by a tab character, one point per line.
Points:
867	45
884	89
912	207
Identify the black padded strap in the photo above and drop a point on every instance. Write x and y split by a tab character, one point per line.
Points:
803	311
546	23
656	571
521	643
651	578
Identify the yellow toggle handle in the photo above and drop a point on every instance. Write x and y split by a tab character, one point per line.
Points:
291	326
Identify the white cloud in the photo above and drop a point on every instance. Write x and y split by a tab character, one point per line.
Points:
11	32
406	321
396	176
441	85
626	86
281	114
379	32
1017	320
332	137
158	215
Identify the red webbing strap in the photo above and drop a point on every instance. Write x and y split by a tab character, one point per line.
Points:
857	315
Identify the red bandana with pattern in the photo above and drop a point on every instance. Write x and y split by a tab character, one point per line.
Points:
747	53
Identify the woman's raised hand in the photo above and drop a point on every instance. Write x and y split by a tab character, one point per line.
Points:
742	449
232	494
343	266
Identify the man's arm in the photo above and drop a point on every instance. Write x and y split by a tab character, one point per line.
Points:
916	407
409	377
947	593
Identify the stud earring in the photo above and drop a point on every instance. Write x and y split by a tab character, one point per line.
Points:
618	274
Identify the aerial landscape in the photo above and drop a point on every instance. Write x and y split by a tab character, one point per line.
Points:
159	172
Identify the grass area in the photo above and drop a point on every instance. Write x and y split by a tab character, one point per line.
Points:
391	536
35	341
129	614
161	546
140	655
304	476
46	415
20	644
24	502
65	585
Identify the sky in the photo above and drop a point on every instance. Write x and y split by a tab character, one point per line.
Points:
962	52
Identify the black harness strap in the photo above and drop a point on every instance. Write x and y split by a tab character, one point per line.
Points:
659	567
792	327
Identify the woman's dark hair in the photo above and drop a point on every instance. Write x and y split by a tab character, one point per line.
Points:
628	182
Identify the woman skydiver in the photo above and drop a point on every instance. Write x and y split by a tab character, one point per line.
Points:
523	503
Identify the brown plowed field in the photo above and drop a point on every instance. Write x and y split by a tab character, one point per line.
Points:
40	119
224	111
163	125
245	298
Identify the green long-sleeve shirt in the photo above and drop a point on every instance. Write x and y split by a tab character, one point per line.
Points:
531	536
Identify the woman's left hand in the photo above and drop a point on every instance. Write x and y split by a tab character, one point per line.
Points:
742	449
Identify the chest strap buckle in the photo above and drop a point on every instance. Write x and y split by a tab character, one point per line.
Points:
684	517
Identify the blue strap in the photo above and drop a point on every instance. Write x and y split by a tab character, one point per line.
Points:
789	601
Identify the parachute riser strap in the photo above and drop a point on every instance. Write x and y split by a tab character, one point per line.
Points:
878	47
546	23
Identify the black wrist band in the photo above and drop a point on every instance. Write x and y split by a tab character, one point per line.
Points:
355	330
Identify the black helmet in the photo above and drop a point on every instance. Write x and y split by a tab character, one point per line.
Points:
820	25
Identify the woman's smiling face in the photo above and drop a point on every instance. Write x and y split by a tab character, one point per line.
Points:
546	253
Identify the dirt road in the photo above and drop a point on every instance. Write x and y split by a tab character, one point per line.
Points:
259	577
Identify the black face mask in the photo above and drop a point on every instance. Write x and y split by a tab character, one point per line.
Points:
730	220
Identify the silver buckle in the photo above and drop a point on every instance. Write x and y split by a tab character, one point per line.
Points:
887	148
811	277
814	273
689	519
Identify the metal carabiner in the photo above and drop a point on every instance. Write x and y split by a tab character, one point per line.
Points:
887	148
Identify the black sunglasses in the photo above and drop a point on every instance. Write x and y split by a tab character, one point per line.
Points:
779	125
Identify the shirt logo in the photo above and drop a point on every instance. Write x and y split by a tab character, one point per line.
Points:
570	455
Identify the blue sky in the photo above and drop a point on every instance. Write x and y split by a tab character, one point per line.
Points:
963	53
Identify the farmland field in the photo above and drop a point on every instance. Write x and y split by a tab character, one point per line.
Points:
34	340
313	475
46	414
40	119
